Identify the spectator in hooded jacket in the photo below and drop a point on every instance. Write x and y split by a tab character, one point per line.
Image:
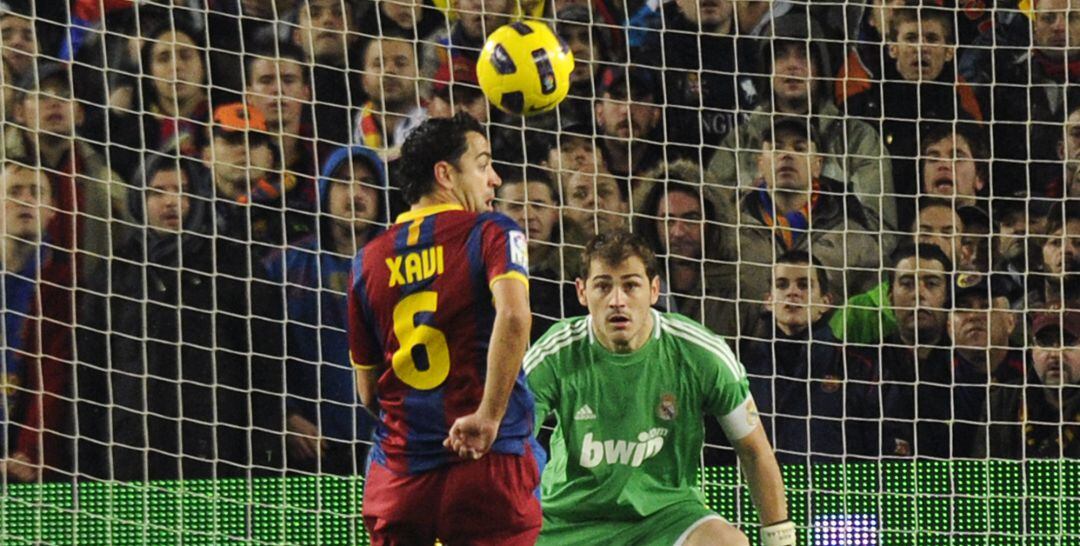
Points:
796	67
167	386
328	430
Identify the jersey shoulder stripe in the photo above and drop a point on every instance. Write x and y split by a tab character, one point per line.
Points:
705	339
558	337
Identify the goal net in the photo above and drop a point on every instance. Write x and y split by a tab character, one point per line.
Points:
876	204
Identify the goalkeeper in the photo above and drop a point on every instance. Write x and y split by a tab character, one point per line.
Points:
630	387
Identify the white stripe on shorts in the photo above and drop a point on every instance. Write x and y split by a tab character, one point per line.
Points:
686	534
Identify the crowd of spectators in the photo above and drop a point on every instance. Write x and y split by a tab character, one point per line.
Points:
877	204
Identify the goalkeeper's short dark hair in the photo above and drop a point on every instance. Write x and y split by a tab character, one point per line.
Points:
614	248
435	140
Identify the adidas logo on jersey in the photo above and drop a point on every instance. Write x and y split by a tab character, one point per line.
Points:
596	452
584	413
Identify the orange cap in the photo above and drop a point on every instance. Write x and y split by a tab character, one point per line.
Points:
236	117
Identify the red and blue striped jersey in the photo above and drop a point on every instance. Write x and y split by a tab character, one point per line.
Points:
421	313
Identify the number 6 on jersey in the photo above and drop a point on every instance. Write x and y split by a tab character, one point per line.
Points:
423	359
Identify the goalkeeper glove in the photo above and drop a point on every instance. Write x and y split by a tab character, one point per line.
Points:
778	534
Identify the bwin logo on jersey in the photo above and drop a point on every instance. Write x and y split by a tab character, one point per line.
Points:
595	452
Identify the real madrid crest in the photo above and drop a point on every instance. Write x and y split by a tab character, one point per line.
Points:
667	409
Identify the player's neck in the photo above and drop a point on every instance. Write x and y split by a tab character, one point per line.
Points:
436	198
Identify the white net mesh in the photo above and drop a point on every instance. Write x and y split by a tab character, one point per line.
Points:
874	203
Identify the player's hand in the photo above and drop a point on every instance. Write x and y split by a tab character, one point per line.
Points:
471	436
303	438
20	468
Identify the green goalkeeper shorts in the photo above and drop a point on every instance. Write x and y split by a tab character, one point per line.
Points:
667	527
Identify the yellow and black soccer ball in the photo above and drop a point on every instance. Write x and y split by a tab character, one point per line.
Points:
524	68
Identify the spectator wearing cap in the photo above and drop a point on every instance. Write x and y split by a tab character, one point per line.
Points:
456	90
171	106
921	49
26	193
530	199
680	218
976	251
796	67
981	323
818	404
867	318
915	361
795	207
166	388
244	164
393	108
326	31
327	427
1018	222
1039	418
90	215
277	85
629	120
695	46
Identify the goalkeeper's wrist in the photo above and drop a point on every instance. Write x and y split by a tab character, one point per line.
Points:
781	533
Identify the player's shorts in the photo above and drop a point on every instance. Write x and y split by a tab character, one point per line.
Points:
670	526
487	501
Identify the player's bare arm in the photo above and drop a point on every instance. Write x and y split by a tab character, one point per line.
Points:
766	487
472	435
366	382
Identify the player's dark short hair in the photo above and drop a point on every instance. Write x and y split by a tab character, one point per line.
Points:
615	247
435	140
801	257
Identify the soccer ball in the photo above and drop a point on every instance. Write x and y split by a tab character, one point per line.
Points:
524	68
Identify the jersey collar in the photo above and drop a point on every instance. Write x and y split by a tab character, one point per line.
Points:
411	215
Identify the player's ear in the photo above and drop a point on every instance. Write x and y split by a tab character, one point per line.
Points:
442	175
654	290
579	285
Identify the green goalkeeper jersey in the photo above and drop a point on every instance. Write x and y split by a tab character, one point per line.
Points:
630	427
